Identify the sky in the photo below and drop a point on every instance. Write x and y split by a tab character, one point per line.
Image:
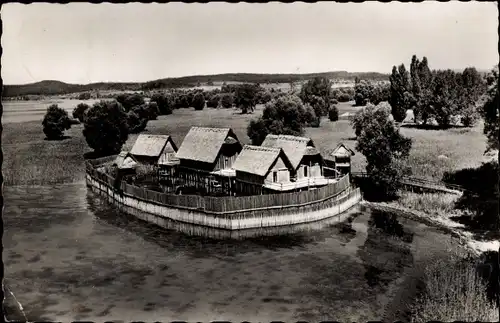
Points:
134	42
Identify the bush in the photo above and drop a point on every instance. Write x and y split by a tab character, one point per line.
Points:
344	97
285	115
105	127
199	101
135	122
333	114
315	123
79	111
128	101
227	100
165	103
152	110
84	96
55	122
213	101
182	101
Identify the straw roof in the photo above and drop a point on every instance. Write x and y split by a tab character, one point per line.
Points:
151	145
203	144
258	160
342	151
125	160
293	146
311	151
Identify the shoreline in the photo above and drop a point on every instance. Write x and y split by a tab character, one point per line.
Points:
455	229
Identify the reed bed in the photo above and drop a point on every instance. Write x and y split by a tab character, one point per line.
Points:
429	203
453	291
29	159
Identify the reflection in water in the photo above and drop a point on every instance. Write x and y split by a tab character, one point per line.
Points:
69	255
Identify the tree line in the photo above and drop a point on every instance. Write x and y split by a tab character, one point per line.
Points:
435	95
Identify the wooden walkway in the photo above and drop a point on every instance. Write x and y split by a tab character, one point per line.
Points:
419	184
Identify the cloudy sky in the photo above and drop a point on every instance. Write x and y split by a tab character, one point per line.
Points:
83	43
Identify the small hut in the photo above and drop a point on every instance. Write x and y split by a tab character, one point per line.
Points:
306	160
340	159
158	151
258	168
154	149
125	163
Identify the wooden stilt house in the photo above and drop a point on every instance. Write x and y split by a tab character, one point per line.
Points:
340	159
206	157
260	169
158	151
306	160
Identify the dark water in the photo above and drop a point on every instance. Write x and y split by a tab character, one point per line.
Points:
70	256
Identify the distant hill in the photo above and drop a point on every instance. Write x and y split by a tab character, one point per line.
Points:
50	87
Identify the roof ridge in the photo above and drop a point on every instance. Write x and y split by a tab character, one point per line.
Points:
262	148
215	129
290	137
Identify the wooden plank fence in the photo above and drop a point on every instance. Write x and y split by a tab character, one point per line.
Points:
223	204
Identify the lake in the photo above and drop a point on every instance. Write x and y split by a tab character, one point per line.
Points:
71	256
23	111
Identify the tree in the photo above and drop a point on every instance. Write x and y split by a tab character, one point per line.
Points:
362	92
245	97
128	101
384	149
490	111
182	101
165	103
264	96
284	115
79	111
421	89
199	101
135	122
444	96
105	127
84	96
471	87
55	122
213	100
401	98
227	100
333	114
153	110
317	93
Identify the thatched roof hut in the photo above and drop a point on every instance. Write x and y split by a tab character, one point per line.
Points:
259	160
294	147
125	161
151	148
203	144
341	151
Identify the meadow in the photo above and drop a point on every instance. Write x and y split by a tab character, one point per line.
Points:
30	159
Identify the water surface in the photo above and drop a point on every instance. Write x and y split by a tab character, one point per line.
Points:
34	110
71	256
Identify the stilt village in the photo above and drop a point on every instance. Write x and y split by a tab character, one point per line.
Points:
213	162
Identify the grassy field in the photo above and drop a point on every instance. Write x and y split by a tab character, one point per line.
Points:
30	159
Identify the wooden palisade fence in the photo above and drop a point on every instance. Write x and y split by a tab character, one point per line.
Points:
229	204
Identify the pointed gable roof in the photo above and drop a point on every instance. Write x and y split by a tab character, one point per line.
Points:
125	160
151	145
342	151
203	144
294	147
258	160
